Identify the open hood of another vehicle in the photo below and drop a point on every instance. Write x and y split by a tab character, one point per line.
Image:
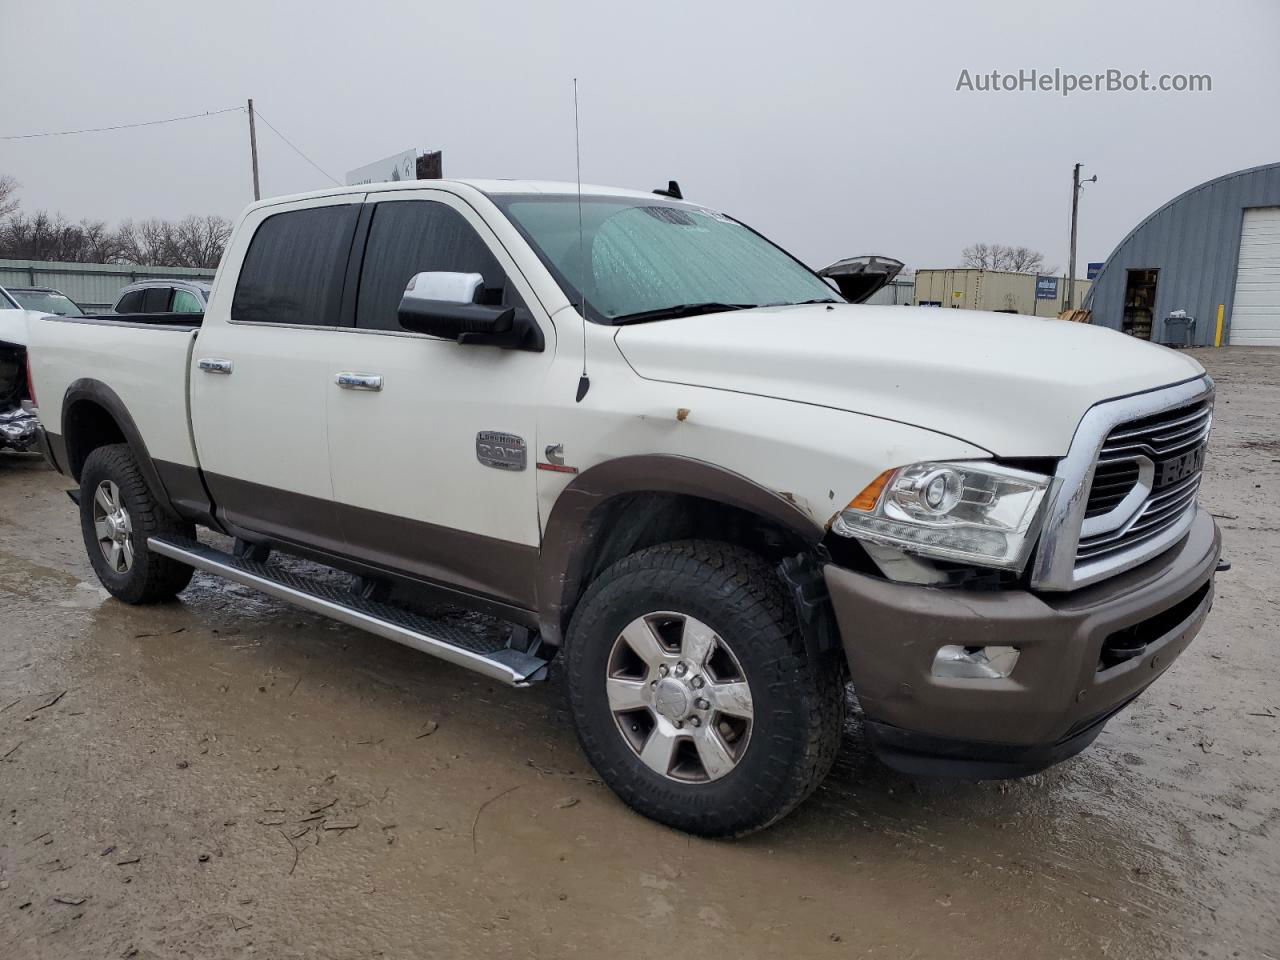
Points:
860	277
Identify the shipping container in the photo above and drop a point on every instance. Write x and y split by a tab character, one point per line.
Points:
999	290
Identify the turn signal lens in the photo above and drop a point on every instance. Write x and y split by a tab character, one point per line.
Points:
870	494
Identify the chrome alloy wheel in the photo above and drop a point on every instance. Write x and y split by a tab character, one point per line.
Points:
112	526
679	697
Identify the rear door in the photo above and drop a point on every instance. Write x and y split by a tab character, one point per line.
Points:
260	374
415	488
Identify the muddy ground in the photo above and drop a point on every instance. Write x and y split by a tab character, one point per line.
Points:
226	777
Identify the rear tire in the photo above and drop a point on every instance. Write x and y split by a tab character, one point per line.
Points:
725	724
117	516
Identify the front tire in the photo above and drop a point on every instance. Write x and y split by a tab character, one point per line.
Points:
693	693
117	516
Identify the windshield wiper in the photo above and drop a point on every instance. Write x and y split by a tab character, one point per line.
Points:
801	303
679	310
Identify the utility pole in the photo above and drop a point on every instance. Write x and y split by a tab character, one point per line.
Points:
1075	209
257	193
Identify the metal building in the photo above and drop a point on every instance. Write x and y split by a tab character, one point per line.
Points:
92	285
901	290
1213	253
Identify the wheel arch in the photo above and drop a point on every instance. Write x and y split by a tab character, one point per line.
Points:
93	416
629	503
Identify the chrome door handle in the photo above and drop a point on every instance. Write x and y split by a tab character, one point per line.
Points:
214	365
358	381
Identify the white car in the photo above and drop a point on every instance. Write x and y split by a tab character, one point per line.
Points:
667	452
18	425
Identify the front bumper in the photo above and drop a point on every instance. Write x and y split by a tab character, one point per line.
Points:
1060	693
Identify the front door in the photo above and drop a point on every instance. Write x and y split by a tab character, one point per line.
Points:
433	444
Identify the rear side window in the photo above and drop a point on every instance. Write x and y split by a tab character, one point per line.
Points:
156	299
184	301
294	269
408	237
131	302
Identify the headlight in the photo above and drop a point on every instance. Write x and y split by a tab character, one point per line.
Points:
971	512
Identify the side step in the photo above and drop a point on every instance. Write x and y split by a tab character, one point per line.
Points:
436	637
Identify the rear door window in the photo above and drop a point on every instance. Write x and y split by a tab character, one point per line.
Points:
407	237
184	301
156	299
294	270
131	302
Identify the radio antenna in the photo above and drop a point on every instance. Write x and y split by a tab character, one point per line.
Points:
584	383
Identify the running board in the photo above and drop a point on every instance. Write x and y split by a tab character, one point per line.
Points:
436	637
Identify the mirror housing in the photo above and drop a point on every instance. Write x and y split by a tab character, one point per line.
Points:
443	304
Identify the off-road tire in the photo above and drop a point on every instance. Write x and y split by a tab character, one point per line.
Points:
151	578
799	703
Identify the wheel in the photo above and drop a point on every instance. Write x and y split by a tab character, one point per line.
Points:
692	691
117	516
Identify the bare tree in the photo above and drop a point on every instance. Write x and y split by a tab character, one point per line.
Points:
1026	260
981	256
8	195
148	243
195	241
98	243
40	236
998	256
201	240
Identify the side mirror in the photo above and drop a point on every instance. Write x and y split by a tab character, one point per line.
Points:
445	305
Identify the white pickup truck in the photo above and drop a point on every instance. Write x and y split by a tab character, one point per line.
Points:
664	450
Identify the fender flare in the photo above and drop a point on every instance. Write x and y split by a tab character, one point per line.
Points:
97	392
571	526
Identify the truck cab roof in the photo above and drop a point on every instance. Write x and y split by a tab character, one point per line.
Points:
484	186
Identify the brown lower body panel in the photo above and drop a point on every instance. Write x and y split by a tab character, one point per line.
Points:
1064	686
470	563
186	491
53	448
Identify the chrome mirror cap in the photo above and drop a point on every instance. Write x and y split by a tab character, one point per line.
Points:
445	287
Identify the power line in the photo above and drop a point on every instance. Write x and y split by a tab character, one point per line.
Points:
295	149
120	126
189	116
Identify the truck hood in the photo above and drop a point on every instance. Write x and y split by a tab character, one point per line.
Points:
1014	385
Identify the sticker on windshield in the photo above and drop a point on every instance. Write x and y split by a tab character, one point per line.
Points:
716	215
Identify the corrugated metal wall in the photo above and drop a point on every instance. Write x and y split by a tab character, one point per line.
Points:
1194	241
894	293
92	285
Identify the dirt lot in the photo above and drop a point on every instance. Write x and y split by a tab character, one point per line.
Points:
226	776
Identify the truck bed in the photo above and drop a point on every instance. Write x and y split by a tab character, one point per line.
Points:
188	321
141	359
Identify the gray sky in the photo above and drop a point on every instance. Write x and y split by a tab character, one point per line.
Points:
835	128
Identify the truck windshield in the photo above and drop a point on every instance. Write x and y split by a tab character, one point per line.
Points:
641	259
48	301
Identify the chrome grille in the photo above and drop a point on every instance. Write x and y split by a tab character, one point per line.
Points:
1111	484
1079	546
1158	441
